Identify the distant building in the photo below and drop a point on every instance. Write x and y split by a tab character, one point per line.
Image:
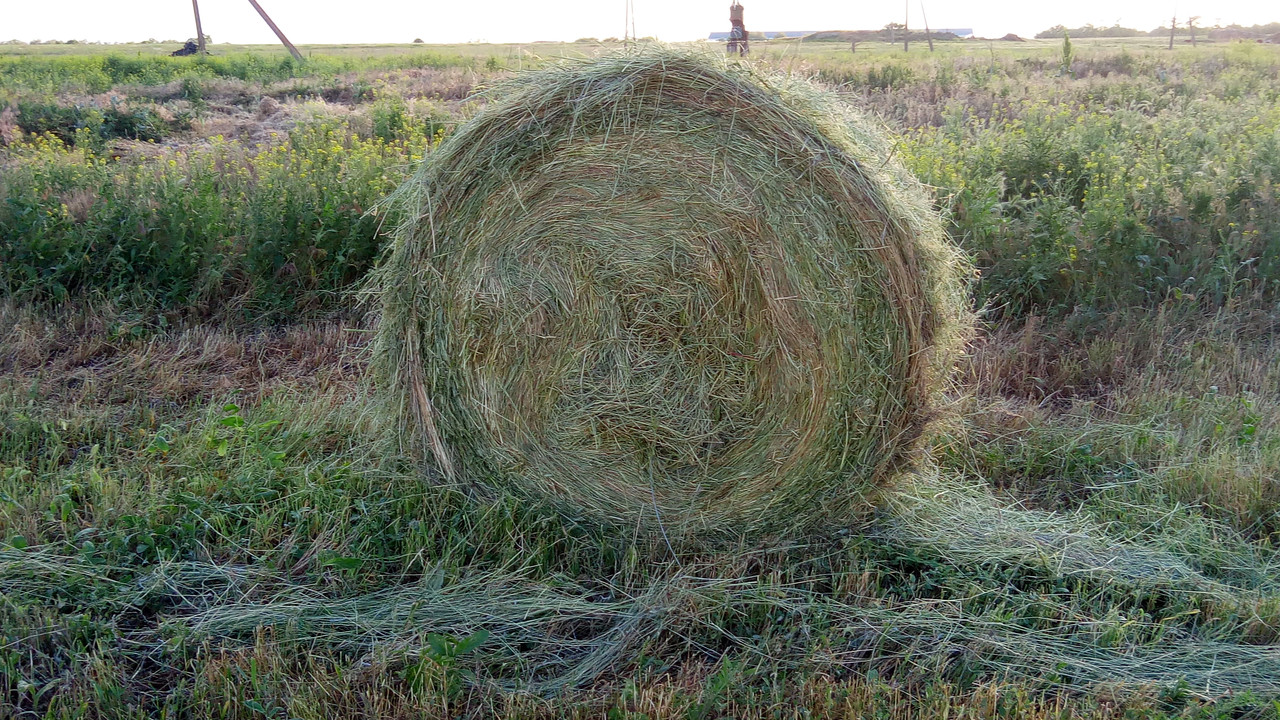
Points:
722	36
767	33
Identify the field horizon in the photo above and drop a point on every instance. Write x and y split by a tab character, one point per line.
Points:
164	48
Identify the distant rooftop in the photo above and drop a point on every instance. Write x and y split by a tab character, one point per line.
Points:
766	33
958	32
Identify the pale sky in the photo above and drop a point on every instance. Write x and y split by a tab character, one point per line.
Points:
448	21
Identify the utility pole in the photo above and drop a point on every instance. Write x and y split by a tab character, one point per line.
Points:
292	50
927	35
1173	28
629	22
199	30
906	33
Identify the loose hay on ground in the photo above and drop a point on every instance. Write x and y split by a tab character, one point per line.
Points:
664	291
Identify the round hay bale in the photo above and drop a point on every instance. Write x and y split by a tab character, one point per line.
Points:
667	292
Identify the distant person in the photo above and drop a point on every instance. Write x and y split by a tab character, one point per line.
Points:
739	39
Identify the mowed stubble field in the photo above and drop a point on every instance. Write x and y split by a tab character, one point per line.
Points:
202	512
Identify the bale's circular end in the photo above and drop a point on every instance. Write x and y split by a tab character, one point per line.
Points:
657	290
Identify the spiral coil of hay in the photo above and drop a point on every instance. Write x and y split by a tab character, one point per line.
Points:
663	291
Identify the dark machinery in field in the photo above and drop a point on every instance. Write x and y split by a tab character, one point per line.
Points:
197	47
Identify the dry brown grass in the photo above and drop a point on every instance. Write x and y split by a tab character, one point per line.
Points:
102	356
1192	399
9	131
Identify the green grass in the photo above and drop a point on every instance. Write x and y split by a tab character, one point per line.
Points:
1140	177
280	228
271	542
202	516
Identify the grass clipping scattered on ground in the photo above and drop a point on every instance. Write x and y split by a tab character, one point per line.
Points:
665	291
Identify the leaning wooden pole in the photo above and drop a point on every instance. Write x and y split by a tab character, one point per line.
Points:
292	50
195	6
927	35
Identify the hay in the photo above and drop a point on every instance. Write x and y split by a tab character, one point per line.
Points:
666	292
